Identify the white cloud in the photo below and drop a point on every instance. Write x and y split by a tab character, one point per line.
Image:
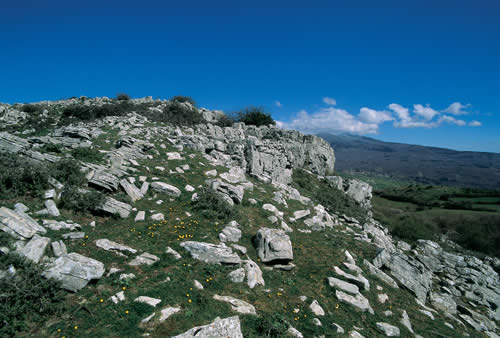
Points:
426	112
452	120
278	104
475	123
374	116
329	101
456	108
401	111
329	120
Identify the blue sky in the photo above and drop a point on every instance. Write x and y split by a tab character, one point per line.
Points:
425	72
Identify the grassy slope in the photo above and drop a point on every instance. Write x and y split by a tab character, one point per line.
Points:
315	255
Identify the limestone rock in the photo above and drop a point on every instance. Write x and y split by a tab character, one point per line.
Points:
144	259
115	207
108	245
254	274
316	308
74	271
358	301
237	305
173	253
132	191
388	330
211	253
18	224
59	248
237	276
165	188
35	248
148	300
227	327
343	286
273	245
230	234
167	312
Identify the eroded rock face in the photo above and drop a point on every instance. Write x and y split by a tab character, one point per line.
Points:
74	271
227	327
211	253
358	190
273	245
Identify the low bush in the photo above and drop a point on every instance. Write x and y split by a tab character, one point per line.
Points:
51	148
68	172
255	116
20	177
122	97
26	298
182	99
76	199
32	108
87	155
211	205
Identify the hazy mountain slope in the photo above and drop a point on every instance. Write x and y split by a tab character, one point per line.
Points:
424	164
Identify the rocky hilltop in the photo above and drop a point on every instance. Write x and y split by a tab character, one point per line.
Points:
158	228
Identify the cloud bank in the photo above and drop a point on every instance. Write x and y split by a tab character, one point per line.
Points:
334	120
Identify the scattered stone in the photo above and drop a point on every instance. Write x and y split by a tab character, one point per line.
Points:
49	194
380	274
18	224
148	300
144	188
167	312
237	305
115	207
19	207
239	248
211	253
358	301
359	280
173	253
343	286
74	235
273	245
174	156
35	248
189	188
443	302
355	334
237	276
158	217
294	332
108	245
59	248
140	217
126	276
118	297
147	320
301	214
132	191
388	330
198	285
74	271
405	320
317	322
382	298
211	173
230	234
144	259
227	327
337	328
316	308
165	188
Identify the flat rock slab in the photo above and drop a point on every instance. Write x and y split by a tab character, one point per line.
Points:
388	330
18	224
74	235
132	191
74	271
108	245
237	305
59	248
211	253
230	234
343	286
165	188
104	180
358	301
227	328
115	207
144	259
52	208
148	300
167	312
273	245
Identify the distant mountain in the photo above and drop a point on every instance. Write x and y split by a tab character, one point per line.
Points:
423	164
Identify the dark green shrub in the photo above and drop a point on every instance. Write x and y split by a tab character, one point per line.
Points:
67	172
122	97
76	199
20	177
255	116
32	108
211	205
27	298
182	99
87	155
177	113
227	120
51	148
274	325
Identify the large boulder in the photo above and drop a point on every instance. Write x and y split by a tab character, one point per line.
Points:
165	188
358	190
114	207
211	253
35	248
273	245
74	271
18	224
227	327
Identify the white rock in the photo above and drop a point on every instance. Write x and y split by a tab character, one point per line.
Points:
119	297
173	253
148	300
52	208
165	188
140	217
211	173
198	285
189	188
382	298
388	330
237	305
144	259
294	332
316	308
174	156
167	312
158	217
